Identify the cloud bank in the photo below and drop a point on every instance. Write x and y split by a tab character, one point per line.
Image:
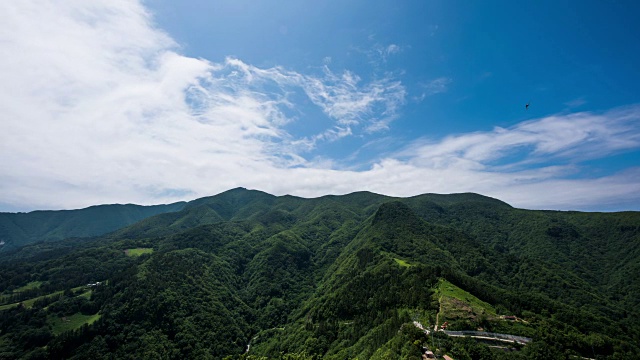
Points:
99	106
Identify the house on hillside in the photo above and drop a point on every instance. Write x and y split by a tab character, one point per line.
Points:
428	355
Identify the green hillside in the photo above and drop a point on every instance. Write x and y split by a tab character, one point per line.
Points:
19	229
248	275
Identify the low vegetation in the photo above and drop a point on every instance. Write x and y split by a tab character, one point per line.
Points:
455	304
402	262
29	286
138	251
29	302
71	322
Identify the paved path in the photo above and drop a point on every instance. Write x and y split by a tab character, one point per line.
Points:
490	336
419	326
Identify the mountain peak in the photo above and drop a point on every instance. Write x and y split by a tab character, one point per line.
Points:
457	198
395	212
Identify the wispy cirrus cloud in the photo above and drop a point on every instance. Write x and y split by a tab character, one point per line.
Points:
576	103
577	137
345	98
435	86
379	52
373	105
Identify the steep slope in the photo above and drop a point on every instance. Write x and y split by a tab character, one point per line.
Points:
386	275
584	257
361	302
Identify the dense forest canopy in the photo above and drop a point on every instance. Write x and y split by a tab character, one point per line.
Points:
19	229
248	275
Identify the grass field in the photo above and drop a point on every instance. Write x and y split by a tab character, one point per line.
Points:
402	263
138	251
75	321
29	286
29	303
456	303
86	294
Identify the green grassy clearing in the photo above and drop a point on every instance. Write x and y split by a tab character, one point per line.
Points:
138	251
75	321
86	294
29	286
456	303
402	263
29	302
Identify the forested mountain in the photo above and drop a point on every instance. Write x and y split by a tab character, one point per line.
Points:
248	275
19	229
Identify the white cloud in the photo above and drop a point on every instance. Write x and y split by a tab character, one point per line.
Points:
99	107
435	86
578	136
551	148
379	53
483	161
342	97
575	103
392	49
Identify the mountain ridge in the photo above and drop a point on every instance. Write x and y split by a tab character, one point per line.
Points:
332	277
18	229
22	228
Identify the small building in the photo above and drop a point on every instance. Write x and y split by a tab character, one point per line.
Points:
428	355
447	357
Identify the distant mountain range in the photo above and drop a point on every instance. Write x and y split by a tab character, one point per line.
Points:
19	229
248	275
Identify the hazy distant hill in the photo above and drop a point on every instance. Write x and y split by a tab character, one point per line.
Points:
334	277
18	229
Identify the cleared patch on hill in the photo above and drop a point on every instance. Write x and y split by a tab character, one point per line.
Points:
72	322
138	251
402	263
455	303
29	286
29	302
86	294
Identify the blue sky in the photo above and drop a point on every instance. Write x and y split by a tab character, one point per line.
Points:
158	101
